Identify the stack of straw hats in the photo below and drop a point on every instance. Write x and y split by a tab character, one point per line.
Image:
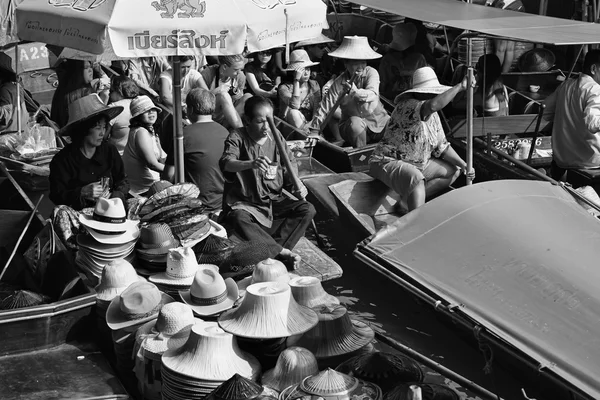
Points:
180	272
336	337
332	385
169	331
269	270
177	206
244	257
116	277
153	248
210	294
428	391
209	357
386	370
293	365
268	311
308	291
213	250
111	236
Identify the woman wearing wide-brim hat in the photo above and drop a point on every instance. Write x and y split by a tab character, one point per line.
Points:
363	116
8	98
87	168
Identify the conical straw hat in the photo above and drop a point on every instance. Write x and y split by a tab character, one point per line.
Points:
384	369
236	388
332	385
355	48
308	292
293	365
428	390
336	333
268	311
211	354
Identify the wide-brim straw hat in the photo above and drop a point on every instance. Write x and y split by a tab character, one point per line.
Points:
384	369
236	388
209	293
428	391
129	235
308	291
156	239
335	334
243	258
167	194
536	60
293	365
213	249
181	268
171	210
268	311
86	108
321	39
299	59
329	385
116	276
425	81
6	66
355	48
211	354
148	295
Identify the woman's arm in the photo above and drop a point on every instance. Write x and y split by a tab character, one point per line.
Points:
144	144
165	91
253	85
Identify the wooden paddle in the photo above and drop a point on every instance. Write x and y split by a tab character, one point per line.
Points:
282	147
337	103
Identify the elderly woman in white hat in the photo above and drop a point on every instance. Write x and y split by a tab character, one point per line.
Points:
363	116
8	98
299	95
413	157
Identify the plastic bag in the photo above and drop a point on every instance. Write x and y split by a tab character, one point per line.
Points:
38	139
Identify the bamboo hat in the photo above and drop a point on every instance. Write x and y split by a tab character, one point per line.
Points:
332	385
268	311
355	48
536	60
156	239
293	365
213	250
116	276
308	291
269	270
335	334
428	391
211	354
243	258
139	303
181	268
209	293
384	369
86	108
236	388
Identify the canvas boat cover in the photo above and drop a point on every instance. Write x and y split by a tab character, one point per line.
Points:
520	258
493	21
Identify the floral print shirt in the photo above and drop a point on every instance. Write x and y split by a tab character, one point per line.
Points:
409	139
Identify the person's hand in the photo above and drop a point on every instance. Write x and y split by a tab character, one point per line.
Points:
301	192
347	86
299	74
464	83
92	190
469	174
223	87
261	163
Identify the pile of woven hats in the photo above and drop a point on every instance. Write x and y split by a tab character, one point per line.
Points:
178	206
111	236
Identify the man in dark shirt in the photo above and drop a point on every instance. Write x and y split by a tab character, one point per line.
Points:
203	144
255	176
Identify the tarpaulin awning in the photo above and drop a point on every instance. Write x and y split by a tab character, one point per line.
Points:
520	258
493	21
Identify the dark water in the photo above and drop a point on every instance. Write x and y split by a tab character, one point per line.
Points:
375	299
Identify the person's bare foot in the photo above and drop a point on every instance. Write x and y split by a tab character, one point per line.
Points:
289	258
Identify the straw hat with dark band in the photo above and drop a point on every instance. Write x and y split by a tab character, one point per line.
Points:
84	109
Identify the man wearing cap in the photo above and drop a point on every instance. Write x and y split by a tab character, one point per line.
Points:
414	158
400	62
8	98
255	177
575	109
316	48
363	116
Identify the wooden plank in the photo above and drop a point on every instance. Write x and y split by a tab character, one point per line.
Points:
59	374
369	205
519	124
318	187
315	262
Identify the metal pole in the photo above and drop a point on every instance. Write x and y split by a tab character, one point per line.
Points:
469	137
177	123
18	89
